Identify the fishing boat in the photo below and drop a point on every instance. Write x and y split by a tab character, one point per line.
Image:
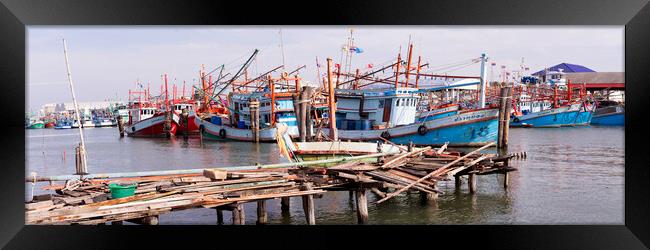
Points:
237	126
552	106
122	111
146	120
391	114
324	150
63	124
87	122
36	124
104	121
609	113
192	127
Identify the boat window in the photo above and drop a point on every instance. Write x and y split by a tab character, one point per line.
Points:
397	105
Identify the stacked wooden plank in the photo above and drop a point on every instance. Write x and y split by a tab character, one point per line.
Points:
407	168
91	203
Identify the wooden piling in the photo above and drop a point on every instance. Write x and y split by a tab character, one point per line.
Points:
120	125
285	204
261	213
506	120
457	181
362	206
306	111
308	205
506	178
428	196
253	107
297	111
471	183
238	215
502	116
219	216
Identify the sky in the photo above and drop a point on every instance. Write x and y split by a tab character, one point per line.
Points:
106	61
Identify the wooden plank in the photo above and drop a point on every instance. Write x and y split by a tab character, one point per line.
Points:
399	159
215	173
433	173
39	205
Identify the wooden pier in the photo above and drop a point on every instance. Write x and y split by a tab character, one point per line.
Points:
419	170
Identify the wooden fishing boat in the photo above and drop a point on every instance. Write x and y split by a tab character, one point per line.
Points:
391	114
325	150
609	114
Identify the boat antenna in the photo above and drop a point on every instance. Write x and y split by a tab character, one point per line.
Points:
81	168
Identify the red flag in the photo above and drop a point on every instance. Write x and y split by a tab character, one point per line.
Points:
337	65
370	65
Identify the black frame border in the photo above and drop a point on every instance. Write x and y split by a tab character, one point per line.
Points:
15	15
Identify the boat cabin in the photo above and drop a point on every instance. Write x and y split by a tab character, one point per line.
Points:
239	104
360	109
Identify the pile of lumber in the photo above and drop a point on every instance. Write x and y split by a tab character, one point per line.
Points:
91	203
417	170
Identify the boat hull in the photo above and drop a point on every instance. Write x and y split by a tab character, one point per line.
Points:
612	119
152	127
552	118
472	128
211	131
609	116
36	126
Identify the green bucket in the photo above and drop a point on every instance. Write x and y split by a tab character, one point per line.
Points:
121	190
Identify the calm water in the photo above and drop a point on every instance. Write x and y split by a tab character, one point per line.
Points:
571	176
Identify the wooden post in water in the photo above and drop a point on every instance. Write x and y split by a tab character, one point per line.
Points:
306	111
81	169
502	116
284	203
457	181
334	134
185	116
506	120
238	215
261	213
308	205
471	183
120	125
296	110
362	206
219	216
253	107
303	114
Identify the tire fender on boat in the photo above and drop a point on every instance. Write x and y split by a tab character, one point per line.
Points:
222	133
385	135
422	130
516	119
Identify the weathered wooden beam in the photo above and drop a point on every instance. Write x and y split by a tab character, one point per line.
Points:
238	215
285	204
433	173
308	205
362	206
262	217
471	183
219	216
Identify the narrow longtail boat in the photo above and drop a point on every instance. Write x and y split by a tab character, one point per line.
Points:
324	150
147	120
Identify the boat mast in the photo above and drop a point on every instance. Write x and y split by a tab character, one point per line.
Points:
82	170
483	80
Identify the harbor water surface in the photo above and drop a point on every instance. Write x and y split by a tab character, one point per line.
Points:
570	176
